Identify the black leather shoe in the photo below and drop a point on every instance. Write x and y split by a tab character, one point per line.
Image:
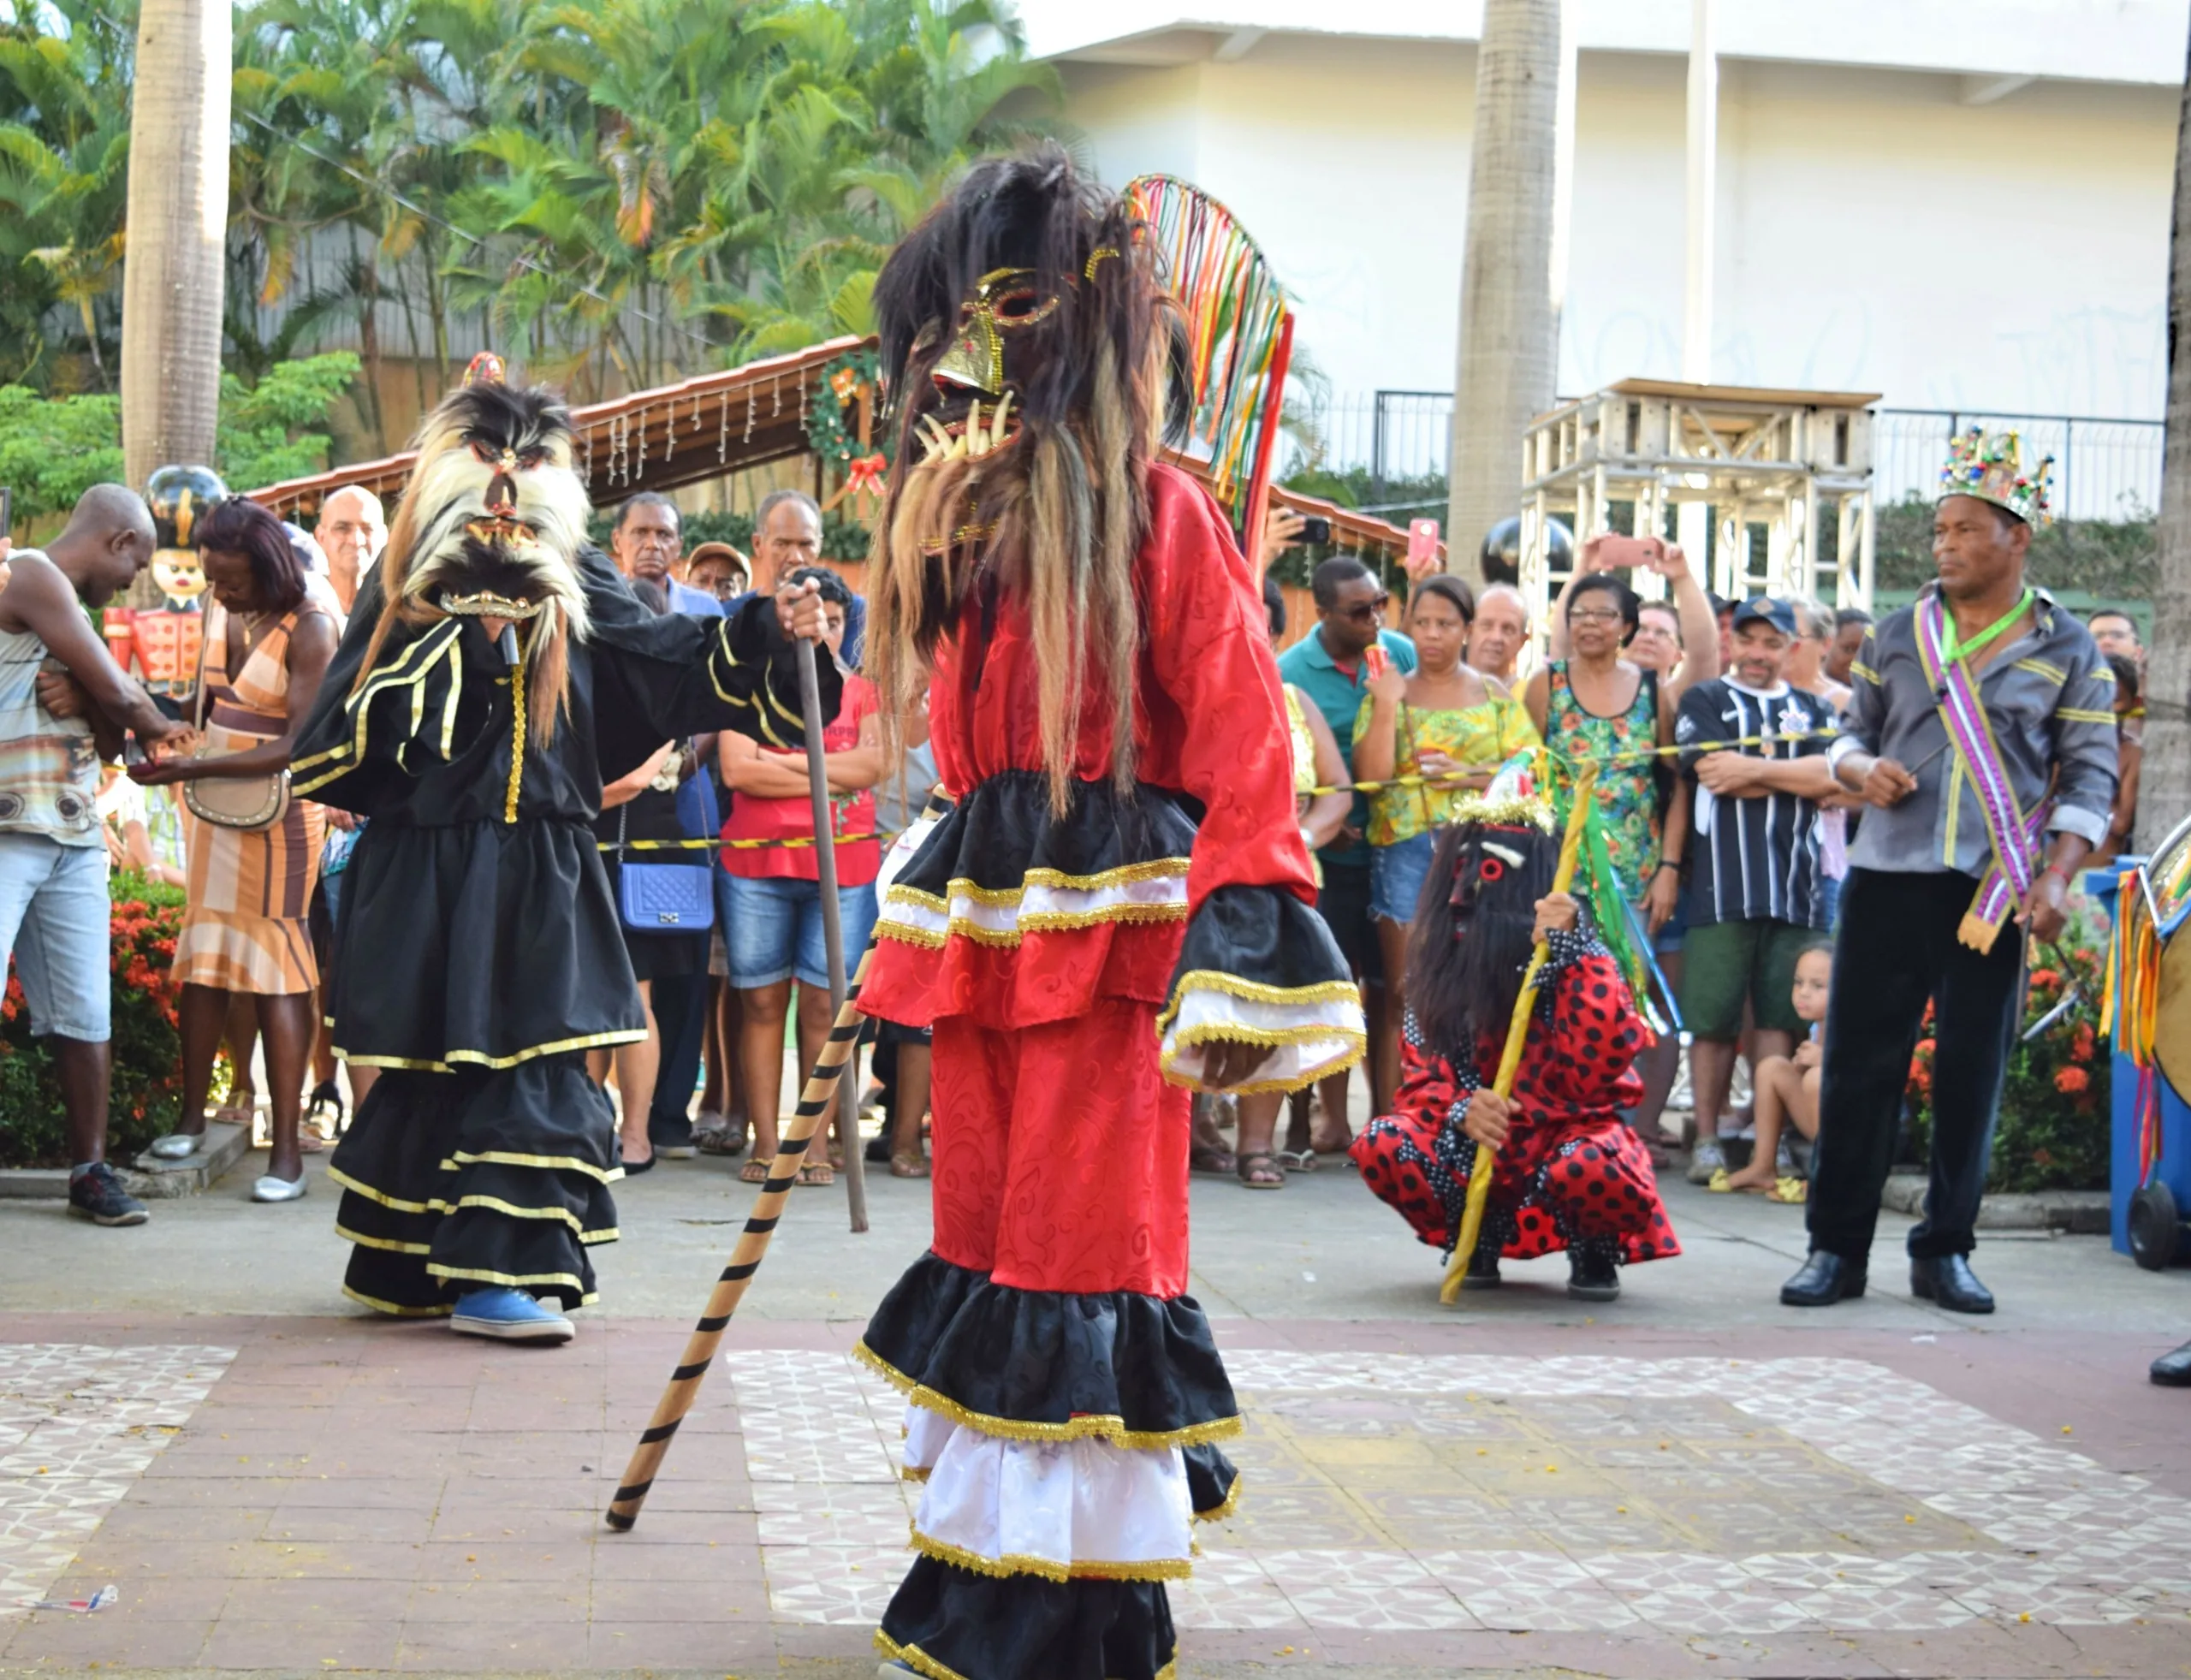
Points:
1947	1280
1483	1268
1826	1278
2173	1370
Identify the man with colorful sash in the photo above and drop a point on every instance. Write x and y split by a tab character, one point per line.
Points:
1982	732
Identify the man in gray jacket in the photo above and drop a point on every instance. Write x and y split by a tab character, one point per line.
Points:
1982	733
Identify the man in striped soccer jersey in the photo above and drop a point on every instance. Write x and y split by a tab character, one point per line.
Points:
1753	898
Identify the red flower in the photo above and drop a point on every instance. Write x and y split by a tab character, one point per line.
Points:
2071	1080
2047	978
2082	1045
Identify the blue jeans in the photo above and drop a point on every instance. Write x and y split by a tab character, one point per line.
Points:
1396	873
773	930
54	919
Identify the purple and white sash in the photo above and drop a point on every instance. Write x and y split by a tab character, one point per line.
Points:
2014	834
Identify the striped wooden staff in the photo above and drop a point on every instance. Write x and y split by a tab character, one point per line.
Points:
815	1103
1517	1034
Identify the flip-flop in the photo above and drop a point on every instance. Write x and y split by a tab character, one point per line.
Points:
756	1171
1297	1160
1790	1189
818	1173
1201	1158
909	1166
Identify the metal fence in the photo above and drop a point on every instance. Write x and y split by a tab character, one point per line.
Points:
2103	469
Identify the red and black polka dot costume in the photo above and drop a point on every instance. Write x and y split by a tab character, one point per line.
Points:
1571	1170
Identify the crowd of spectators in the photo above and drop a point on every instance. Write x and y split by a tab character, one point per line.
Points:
1710	719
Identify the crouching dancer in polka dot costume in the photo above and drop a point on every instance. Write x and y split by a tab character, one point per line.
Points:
1568	1173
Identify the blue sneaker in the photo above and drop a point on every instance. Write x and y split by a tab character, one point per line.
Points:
507	1316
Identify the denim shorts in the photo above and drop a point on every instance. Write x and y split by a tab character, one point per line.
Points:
1396	873
54	919
772	927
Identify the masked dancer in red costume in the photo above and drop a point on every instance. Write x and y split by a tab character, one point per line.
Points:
497	673
1569	1173
1118	906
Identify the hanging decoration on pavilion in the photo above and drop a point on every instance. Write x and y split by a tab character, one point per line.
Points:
1240	328
848	389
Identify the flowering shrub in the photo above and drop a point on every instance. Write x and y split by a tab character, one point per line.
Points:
2053	1132
144	919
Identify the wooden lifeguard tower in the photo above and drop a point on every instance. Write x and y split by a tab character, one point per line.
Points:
1757	458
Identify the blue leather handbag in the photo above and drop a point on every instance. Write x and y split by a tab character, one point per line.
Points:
669	898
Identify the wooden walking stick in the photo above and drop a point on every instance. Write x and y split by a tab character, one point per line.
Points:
1518	1034
833	929
814	1102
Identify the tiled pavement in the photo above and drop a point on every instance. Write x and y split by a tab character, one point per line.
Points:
301	1493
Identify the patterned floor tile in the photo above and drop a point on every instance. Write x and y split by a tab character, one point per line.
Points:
77	1425
1389	1494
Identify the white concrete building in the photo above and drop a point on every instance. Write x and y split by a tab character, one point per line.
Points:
1963	206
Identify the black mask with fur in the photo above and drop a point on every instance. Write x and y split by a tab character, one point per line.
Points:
1475	927
1032	360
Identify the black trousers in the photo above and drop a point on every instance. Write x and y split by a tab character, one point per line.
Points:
1896	952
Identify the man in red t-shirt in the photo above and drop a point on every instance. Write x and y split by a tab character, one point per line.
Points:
774	904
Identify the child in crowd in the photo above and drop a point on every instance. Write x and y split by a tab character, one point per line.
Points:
1786	1087
1570	1173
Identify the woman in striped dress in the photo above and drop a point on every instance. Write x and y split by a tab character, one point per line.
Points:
265	650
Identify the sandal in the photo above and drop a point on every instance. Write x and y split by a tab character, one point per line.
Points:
817	1172
756	1171
1261	1170
1206	1158
727	1138
1791	1190
1297	1160
913	1166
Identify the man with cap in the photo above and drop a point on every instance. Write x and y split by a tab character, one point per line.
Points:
1983	735
713	572
1755	893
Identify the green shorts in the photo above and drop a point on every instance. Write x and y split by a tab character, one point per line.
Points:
1723	963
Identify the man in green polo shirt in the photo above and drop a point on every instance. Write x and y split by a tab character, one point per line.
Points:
1328	666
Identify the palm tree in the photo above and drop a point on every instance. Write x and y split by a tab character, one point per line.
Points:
177	220
1510	325
2164	790
64	155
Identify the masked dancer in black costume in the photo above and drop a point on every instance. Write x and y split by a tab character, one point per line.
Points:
496	673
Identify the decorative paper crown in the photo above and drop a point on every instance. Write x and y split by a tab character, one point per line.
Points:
1515	798
1990	467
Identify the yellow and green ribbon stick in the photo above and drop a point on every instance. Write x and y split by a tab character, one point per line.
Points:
1518	1034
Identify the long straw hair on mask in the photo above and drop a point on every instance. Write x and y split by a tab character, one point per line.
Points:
1052	521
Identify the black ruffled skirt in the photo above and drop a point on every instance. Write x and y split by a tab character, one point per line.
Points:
451	1181
1041	1365
478	945
475	963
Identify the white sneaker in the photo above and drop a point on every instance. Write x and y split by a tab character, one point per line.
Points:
1705	1159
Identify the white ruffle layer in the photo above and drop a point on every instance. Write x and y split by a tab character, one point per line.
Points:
903	850
1051	1508
1040	907
1307	1038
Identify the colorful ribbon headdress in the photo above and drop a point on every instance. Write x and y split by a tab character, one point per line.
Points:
1989	465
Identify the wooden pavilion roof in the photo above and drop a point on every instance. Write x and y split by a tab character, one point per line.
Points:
719	423
652	440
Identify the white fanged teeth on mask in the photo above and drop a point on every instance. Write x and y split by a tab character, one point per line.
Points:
972	438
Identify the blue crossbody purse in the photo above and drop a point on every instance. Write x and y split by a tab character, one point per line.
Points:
671	898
